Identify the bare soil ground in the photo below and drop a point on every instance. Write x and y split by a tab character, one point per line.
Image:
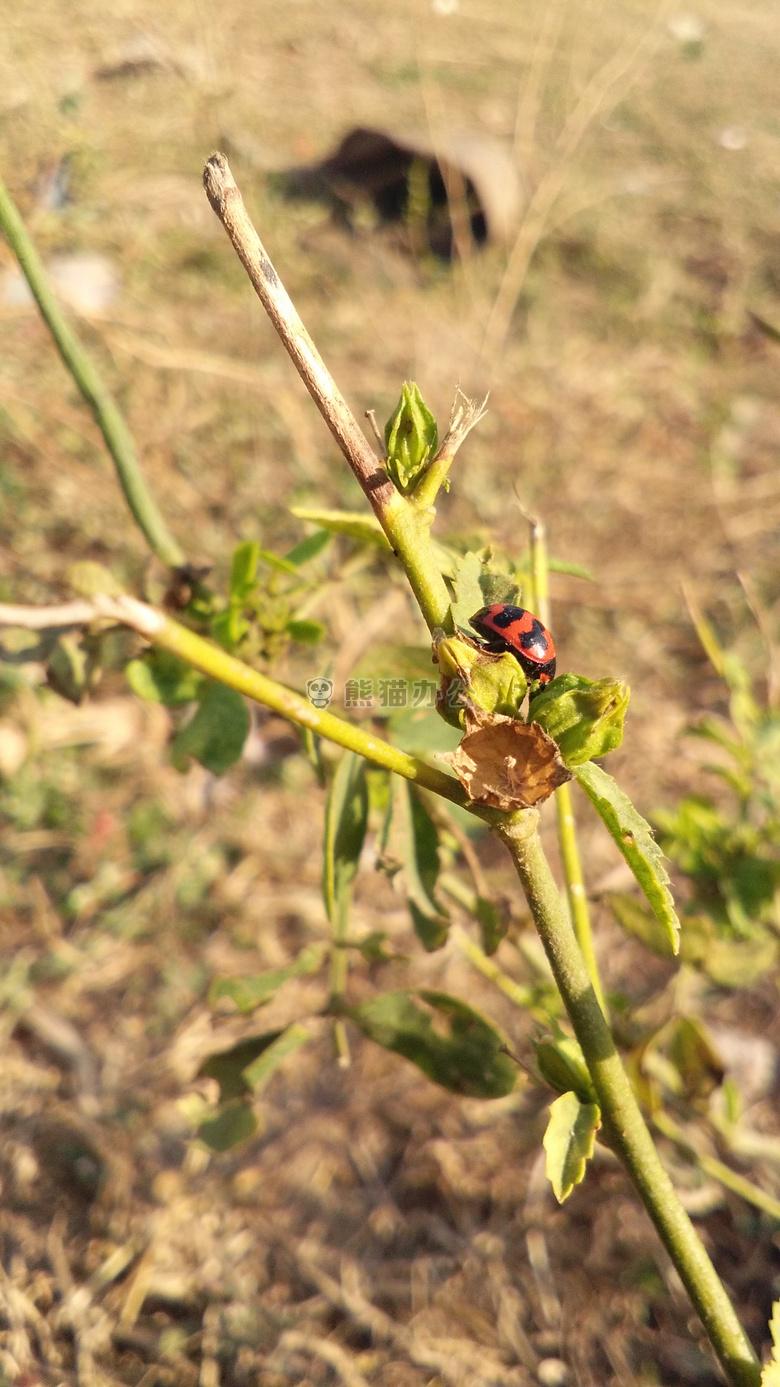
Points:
378	1230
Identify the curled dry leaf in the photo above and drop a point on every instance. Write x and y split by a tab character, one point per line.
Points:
505	763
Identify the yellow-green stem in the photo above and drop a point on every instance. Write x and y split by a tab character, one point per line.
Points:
623	1121
170	635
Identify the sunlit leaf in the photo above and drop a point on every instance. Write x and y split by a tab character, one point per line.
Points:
634	838
163	678
251	992
306	631
449	1041
469	597
562	1065
243	570
308	548
216	734
569	1141
366	529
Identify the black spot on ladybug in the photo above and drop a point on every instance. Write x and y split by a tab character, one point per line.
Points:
513	629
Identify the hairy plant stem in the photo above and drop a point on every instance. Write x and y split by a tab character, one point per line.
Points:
623	1122
116	434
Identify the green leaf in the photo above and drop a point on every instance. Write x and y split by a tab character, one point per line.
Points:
306	632
449	1041
67	668
308	548
258	991
421	731
90	579
229	1127
569	1141
421	869
227	1066
585	717
163	678
770	1377
346	820
492	927
498	587
216	734
259	1072
575	570
638	920
634	838
276	561
411	438
243	571
562	1066
366	529
469	597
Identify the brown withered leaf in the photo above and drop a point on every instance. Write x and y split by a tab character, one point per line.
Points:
505	763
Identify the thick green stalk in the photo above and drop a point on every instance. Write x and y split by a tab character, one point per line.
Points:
623	1121
108	418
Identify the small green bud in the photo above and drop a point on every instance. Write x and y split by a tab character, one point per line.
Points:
411	439
494	683
585	717
561	1065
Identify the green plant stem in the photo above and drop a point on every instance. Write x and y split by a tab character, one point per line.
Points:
623	1121
564	807
406	525
115	432
408	529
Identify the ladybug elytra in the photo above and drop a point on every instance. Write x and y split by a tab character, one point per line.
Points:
503	627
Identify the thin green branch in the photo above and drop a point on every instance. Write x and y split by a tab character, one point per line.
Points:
564	807
624	1125
115	432
211	660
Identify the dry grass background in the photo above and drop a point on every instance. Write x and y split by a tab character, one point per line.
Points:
379	1231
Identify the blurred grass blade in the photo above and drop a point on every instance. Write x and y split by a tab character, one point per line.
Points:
259	1072
449	1041
346	820
116	434
258	991
634	838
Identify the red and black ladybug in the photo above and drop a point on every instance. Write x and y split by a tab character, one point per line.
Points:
503	627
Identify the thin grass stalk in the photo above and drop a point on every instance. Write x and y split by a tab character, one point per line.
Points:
116	435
